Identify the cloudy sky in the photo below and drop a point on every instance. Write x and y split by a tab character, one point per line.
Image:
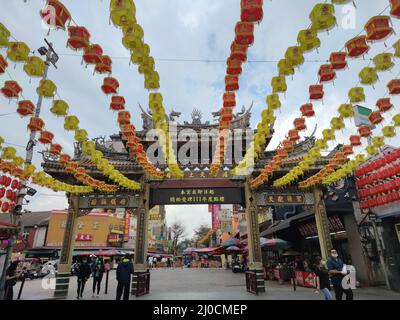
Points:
179	32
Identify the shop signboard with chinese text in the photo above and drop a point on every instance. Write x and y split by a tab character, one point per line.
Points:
109	202
282	199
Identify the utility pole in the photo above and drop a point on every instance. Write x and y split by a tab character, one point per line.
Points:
51	58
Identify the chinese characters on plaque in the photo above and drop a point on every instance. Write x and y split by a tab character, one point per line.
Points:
285	198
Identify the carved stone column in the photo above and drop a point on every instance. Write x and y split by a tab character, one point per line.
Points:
253	237
321	220
64	268
141	235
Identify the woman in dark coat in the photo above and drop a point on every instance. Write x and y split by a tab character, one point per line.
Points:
83	274
97	273
11	280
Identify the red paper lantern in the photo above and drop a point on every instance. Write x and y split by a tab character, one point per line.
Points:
92	54
128	130
231	83
110	85
316	92
234	67
64	159
229	99
384	104
307	110
3	64
378	28
59	14
124	117
2	192
35	124
282	153
347	150
55	149
14	185
394	86
341	157
375	117
395	8
326	73
46	137
117	103
239	52
226	114
11	89
364	131
5	207
357	46
355	140
288	145
80	173
252	10
104	66
300	124
338	60
244	33
25	108
78	37
293	135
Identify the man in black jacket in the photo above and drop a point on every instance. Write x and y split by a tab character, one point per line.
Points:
83	274
124	272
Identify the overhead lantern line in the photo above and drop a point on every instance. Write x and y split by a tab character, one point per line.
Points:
34	67
374	142
251	13
322	18
79	38
273	100
383	62
123	15
355	48
356	95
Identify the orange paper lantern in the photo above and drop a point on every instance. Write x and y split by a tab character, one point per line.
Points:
231	83
35	124
46	137
378	28
357	46
11	89
316	92
229	99
124	117
239	52
110	85
104	66
307	110
92	54
394	86
338	60
117	103
3	64
384	104
326	73
78	37
55	149
252	10
244	33
25	108
364	131
300	124
355	140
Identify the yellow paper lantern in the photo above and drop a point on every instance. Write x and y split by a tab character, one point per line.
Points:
360	158
356	95
372	151
294	56
34	67
133	36
337	123
81	135
323	17
9	153
328	134
346	110
278	84
396	47
378	142
308	40
18	51
46	88
285	67
4	35
389	131
273	101
140	54
368	76
383	61
122	12
71	123
59	108
396	120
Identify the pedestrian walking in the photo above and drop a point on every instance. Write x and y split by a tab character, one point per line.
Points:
11	280
97	273
124	272
83	274
323	284
150	260
337	273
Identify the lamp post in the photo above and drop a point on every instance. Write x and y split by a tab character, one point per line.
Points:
51	58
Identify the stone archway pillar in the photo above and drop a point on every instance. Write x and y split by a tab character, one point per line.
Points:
64	268
321	220
140	262
253	237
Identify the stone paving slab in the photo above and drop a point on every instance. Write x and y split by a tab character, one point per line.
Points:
198	284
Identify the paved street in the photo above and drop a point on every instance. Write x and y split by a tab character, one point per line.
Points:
202	284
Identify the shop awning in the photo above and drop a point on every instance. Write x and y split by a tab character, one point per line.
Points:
284	224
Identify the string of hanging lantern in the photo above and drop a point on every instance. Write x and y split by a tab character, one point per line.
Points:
337	123
251	13
48	89
322	18
367	76
92	54
123	16
376	117
326	73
